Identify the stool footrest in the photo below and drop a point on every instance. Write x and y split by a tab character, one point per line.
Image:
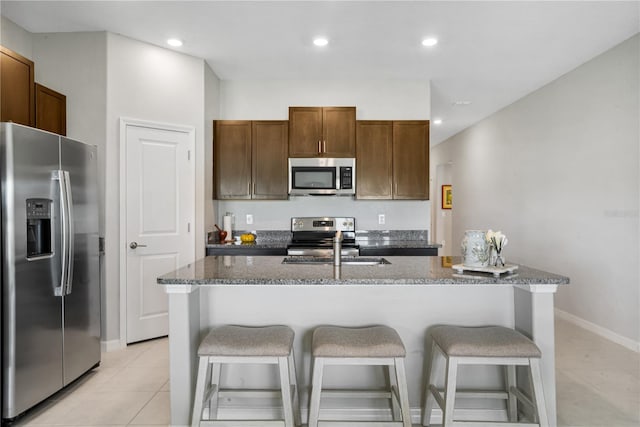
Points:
480	394
360	423
491	424
242	423
249	393
358	394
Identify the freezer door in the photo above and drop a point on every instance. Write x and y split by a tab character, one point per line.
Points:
31	313
82	297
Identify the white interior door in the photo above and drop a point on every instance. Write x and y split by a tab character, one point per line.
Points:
160	205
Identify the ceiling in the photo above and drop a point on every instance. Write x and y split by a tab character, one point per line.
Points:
489	53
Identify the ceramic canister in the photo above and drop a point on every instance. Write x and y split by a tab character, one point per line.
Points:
475	249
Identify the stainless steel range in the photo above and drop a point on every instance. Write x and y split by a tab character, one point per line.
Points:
313	236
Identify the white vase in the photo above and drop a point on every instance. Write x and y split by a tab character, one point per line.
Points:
475	249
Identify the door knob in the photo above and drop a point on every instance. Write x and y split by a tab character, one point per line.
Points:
134	245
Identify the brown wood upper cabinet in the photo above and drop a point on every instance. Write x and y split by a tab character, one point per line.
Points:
250	159
16	88
392	160
51	110
322	131
374	159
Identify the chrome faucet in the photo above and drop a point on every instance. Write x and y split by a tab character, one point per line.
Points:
337	248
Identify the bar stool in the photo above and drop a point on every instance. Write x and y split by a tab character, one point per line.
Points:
492	345
376	345
245	345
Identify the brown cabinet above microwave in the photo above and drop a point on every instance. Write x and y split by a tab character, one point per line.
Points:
322	131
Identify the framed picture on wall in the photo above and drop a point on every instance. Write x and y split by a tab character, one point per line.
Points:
447	197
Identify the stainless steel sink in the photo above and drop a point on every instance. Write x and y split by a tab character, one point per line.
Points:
303	260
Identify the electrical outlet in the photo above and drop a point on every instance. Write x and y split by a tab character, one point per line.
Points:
381	219
249	219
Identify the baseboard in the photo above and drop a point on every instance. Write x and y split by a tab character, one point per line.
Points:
112	345
599	330
371	412
364	414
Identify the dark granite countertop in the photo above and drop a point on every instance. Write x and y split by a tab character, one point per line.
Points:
403	270
395	239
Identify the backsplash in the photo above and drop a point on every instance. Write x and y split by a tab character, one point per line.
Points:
274	236
276	215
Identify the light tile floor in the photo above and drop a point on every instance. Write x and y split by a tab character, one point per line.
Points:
598	386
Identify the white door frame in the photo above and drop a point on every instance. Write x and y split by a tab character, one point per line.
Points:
124	122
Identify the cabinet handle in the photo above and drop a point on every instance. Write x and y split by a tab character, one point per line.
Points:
254	188
249	188
319	146
324	146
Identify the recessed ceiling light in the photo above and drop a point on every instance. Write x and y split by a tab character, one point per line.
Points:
431	41
174	42
320	41
437	121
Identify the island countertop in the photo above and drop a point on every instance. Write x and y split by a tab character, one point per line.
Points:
402	270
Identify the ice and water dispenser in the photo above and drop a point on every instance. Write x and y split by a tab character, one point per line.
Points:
38	228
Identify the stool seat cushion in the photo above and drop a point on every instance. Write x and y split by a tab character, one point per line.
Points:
487	341
373	341
234	340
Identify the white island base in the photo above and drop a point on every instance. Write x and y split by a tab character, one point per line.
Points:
410	308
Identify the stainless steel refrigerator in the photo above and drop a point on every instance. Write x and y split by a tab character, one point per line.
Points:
50	266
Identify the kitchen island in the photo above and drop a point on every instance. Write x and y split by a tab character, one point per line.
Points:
410	294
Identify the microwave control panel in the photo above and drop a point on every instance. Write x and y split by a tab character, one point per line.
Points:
346	177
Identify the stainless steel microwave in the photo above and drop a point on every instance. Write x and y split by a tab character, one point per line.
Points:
322	176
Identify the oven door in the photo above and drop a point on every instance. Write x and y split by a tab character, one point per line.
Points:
312	180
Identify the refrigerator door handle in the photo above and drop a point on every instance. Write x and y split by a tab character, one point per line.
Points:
58	175
70	233
67	232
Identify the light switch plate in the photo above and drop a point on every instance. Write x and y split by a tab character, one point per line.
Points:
249	219
381	219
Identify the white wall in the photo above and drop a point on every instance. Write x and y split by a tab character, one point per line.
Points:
442	225
75	64
211	112
558	172
373	99
16	38
148	83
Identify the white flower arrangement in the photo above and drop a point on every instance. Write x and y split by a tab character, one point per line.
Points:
497	241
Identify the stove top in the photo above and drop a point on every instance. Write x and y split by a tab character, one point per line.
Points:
314	236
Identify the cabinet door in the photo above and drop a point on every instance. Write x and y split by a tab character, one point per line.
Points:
269	160
16	88
374	156
305	131
51	110
411	160
339	131
232	159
